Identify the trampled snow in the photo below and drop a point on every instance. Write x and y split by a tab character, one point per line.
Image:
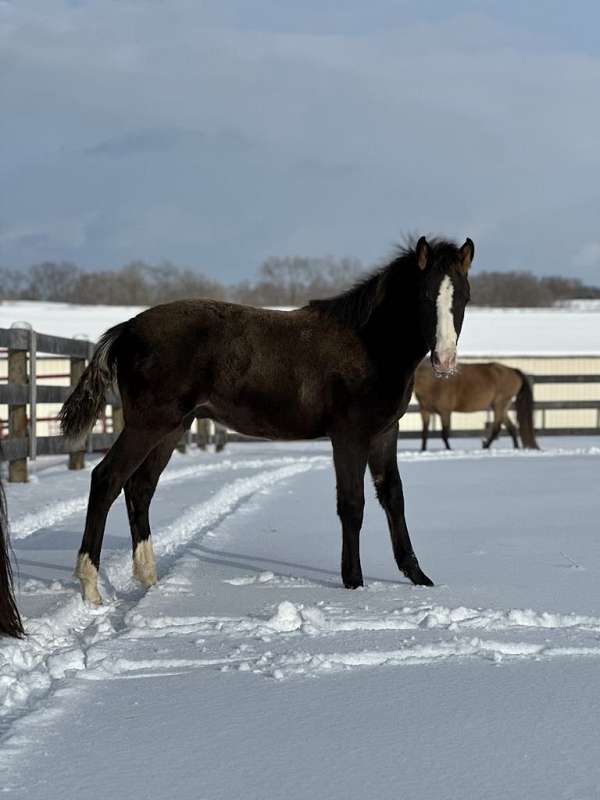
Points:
573	330
249	672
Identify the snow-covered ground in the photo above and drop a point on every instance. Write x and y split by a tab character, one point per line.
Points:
487	331
248	672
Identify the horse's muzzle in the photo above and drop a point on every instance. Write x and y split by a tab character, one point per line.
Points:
444	364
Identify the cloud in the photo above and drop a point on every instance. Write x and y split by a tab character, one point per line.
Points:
588	256
216	134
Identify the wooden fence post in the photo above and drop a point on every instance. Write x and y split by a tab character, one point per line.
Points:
32	395
17	414
77	459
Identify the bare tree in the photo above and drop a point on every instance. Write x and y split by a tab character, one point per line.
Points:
282	280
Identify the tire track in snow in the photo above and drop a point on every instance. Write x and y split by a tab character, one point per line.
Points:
53	513
306	664
58	643
27	524
323	620
292	641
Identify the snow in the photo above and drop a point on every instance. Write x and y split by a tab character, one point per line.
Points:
574	330
65	319
249	672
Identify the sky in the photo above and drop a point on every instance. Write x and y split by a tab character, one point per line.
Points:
215	133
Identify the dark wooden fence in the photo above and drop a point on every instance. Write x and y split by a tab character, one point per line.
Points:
23	394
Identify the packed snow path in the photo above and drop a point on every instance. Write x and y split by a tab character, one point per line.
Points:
248	672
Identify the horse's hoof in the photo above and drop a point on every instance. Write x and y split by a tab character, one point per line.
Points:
420	579
91	598
88	579
414	573
144	565
353	583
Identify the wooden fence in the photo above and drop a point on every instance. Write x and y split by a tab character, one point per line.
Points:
24	393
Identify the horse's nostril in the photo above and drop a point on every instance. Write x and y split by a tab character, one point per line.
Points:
444	364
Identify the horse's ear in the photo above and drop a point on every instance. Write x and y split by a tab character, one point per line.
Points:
466	255
422	252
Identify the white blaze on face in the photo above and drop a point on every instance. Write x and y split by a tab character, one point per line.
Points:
445	335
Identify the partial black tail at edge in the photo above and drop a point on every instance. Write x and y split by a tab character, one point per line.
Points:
83	407
524	405
10	619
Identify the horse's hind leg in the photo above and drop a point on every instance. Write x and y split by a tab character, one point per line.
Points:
510	427
139	491
383	464
445	417
108	478
499	412
425	418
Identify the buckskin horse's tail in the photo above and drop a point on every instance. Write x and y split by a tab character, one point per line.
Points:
524	405
83	407
10	619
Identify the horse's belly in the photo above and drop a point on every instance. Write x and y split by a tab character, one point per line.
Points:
468	403
270	420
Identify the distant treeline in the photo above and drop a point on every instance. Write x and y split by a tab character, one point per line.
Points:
284	281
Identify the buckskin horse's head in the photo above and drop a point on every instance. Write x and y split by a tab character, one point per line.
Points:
443	296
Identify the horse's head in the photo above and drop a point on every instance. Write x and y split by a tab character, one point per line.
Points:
444	293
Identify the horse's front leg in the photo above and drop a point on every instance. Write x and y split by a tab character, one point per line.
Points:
383	464
350	460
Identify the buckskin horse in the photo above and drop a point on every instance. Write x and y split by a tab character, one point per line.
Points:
341	367
477	387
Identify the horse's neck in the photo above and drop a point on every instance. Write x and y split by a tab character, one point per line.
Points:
394	334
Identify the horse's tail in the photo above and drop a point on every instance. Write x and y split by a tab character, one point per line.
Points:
524	404
10	619
83	407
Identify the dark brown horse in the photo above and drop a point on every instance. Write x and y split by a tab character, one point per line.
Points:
10	621
477	387
342	368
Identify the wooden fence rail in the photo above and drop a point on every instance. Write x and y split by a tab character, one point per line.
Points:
24	393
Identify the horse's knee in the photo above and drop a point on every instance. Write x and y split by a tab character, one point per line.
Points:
350	510
388	490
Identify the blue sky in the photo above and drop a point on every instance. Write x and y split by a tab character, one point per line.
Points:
215	134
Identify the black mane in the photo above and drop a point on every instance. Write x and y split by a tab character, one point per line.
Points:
355	306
